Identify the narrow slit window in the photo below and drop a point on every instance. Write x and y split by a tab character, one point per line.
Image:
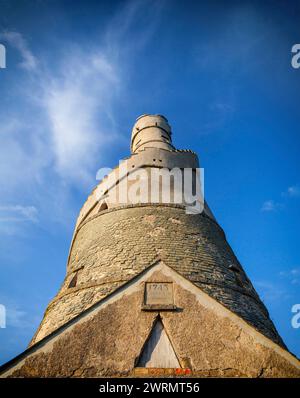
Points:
73	281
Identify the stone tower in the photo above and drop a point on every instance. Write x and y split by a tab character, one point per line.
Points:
152	285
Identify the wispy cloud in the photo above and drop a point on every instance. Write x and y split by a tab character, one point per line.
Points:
270	292
270	206
292	192
292	275
16	40
75	127
78	103
18	213
18	317
43	158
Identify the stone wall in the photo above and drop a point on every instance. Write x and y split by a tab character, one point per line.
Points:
114	246
208	339
146	159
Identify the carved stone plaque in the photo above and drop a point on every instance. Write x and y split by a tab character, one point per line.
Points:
159	293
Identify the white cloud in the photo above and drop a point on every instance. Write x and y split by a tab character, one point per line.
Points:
78	105
293	191
18	213
270	205
16	40
15	218
72	127
293	275
64	123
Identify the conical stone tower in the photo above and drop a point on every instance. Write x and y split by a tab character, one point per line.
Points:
152	282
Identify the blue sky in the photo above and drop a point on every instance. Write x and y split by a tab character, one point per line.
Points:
77	76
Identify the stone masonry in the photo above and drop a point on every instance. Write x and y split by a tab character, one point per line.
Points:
107	339
114	242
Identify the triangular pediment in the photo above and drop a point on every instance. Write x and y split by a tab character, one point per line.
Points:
122	329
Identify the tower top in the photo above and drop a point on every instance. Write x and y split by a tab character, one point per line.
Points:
151	131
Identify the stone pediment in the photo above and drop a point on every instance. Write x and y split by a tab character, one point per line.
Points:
204	337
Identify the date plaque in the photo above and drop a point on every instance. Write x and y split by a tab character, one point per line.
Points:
159	296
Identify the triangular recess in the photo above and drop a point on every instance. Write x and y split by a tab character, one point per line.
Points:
103	206
158	351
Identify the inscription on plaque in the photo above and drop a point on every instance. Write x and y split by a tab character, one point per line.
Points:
159	293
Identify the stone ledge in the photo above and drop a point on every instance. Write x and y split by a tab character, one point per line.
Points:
159	307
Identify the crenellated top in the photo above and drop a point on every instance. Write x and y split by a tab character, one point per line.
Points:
151	146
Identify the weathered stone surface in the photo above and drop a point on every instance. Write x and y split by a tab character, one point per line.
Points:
209	340
159	293
114	246
115	243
